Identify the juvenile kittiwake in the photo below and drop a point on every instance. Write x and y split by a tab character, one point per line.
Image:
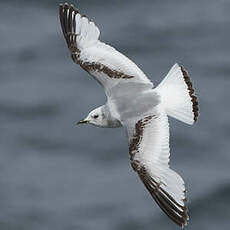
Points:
133	102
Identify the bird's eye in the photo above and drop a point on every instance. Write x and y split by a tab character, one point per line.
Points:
95	116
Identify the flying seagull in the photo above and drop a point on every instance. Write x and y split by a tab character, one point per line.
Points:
134	103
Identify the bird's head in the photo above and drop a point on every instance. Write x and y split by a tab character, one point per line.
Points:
96	117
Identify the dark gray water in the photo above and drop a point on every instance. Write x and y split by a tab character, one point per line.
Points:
55	176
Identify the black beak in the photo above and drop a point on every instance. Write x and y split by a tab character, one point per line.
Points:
82	122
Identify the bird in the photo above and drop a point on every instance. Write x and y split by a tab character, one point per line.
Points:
134	103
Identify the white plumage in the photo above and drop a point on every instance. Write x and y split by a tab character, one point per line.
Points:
175	93
136	105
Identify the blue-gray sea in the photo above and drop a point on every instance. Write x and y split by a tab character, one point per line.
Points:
56	176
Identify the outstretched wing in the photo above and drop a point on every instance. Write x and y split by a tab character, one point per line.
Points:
105	63
149	156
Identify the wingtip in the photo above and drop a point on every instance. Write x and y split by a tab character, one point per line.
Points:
61	6
178	213
66	4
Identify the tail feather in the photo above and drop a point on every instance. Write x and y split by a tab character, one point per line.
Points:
177	95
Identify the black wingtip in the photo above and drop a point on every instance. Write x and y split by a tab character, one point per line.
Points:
176	212
178	215
67	14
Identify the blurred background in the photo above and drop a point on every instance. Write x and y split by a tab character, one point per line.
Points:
54	175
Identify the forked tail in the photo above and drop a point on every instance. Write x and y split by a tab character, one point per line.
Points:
177	95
